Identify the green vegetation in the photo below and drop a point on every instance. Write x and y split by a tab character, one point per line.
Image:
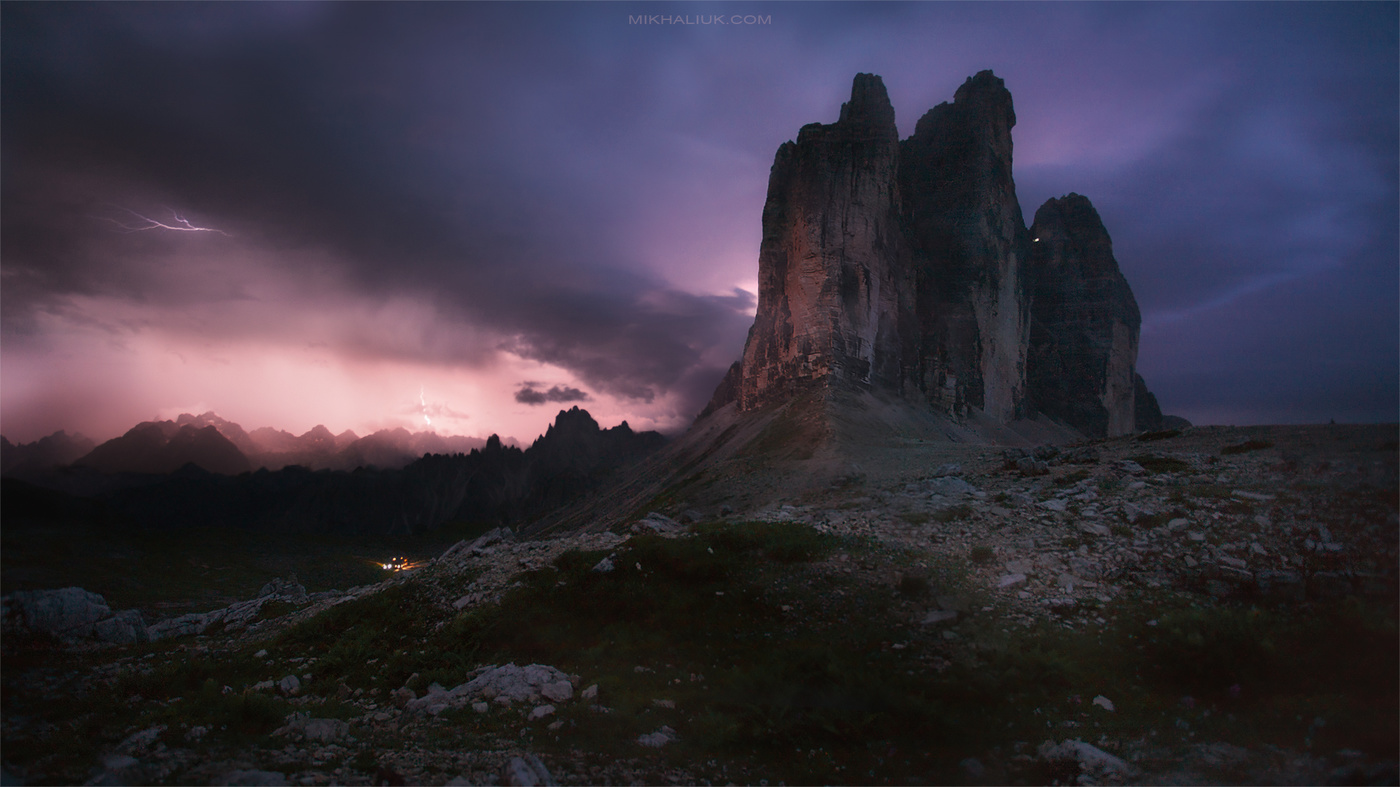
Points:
915	517
914	585
1205	491
952	513
1246	447
1157	465
1147	437
792	434
232	717
374	642
203	569
1070	479
1110	484
773	666
1150	521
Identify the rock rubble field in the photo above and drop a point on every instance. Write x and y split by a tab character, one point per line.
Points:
1203	606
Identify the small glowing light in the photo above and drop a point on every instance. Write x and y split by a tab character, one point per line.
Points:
424	403
1037	240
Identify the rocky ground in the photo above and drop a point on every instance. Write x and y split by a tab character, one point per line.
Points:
1289	513
977	615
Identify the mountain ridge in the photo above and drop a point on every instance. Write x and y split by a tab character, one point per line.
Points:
496	484
146	448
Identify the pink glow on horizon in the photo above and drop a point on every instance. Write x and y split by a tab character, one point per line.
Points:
290	348
261	384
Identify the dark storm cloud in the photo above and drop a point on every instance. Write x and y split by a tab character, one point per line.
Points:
547	180
407	164
1260	238
529	394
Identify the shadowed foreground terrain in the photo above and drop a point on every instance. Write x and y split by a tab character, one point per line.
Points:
1211	605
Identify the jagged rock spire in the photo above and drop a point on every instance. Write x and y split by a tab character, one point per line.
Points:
1084	322
869	108
904	266
970	243
833	268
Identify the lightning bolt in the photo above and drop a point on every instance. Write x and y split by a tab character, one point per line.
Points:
147	223
424	402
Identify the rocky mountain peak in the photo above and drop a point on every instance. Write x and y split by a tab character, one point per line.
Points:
1084	322
985	94
904	267
1069	228
834	279
573	421
869	109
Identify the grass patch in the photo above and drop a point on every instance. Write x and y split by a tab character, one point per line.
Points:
1240	508
776	666
1151	521
1209	491
1157	465
235	717
913	584
1246	447
1147	437
792	434
1110	484
1072	478
275	608
1270	667
376	642
170	572
915	517
952	513
714	605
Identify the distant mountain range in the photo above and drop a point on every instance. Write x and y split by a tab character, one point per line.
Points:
192	473
59	449
222	446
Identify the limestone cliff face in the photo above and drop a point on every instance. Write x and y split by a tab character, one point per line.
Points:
907	267
970	244
1149	415
1084	322
834	274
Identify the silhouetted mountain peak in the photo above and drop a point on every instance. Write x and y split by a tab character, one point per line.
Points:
869	109
318	432
163	447
573	421
55	450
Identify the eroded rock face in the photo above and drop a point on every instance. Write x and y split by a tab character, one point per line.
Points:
970	246
833	267
1148	414
907	267
1084	322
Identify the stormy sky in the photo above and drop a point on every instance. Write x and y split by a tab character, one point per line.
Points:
470	215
